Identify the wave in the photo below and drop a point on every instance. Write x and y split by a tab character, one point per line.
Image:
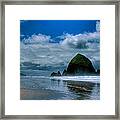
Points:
95	79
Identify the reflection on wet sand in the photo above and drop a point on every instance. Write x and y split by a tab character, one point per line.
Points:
84	90
45	88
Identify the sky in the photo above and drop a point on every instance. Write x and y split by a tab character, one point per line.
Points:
55	28
55	42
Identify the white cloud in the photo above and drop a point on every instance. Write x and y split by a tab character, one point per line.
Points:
37	39
81	40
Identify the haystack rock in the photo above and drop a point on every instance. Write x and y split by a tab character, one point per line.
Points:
80	65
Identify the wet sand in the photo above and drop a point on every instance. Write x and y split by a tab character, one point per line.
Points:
27	94
44	88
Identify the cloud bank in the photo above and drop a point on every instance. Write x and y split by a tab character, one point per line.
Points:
37	39
80	41
38	49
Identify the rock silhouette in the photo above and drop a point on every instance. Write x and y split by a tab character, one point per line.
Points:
79	65
64	72
56	74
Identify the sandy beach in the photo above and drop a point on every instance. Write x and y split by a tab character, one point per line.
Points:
27	94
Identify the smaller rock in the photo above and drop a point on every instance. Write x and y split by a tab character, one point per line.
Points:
58	73
64	72
55	74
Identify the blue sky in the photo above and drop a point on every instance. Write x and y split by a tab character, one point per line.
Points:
53	43
56	28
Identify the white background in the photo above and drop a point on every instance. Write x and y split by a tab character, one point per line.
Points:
15	106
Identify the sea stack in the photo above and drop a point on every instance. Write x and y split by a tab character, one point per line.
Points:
55	74
80	65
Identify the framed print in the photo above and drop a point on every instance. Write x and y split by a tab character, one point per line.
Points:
60	59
